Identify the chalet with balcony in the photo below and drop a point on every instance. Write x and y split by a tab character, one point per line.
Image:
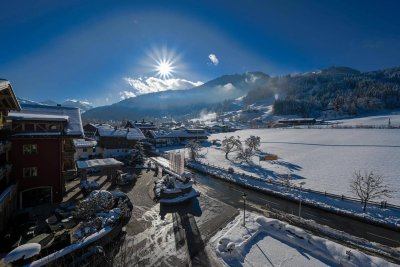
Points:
8	188
116	142
43	151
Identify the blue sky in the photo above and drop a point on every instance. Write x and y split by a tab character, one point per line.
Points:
103	51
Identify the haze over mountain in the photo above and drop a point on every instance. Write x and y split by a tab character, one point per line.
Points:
83	105
177	103
341	89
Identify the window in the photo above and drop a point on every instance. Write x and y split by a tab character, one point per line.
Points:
84	150
30	149
29	172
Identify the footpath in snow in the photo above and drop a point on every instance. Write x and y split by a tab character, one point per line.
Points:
389	217
270	242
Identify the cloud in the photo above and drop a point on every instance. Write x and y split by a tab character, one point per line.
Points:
213	58
126	94
226	87
147	85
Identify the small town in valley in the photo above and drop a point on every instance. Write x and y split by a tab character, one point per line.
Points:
125	139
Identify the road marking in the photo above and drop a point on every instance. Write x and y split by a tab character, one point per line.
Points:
312	215
369	233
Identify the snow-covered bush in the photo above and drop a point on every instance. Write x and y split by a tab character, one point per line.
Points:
97	201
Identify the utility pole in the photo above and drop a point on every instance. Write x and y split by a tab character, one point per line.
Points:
301	184
244	196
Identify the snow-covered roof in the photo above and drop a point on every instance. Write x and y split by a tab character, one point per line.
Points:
177	134
38	134
84	143
94	163
8	93
35	112
36	117
128	133
25	251
4	83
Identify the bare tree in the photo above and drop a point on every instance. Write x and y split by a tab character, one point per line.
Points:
369	186
194	149
253	142
231	144
245	155
287	180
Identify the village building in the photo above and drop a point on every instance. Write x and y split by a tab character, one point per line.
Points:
174	137
117	142
86	149
298	121
143	125
8	188
43	151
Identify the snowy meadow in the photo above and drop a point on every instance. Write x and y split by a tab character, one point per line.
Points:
325	159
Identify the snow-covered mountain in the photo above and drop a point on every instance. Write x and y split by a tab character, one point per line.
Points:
83	105
182	103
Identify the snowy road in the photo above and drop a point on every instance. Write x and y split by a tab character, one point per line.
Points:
159	235
232	194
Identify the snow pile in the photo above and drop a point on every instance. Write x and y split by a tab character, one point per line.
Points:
100	209
236	245
89	185
125	179
71	248
23	252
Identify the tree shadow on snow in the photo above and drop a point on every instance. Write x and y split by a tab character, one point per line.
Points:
288	165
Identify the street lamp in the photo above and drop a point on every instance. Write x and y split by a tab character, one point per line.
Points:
301	184
244	196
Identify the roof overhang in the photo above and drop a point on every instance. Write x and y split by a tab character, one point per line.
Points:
8	100
98	163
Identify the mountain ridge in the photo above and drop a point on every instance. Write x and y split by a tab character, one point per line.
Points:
338	88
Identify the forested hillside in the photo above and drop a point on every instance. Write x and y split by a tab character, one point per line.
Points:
340	89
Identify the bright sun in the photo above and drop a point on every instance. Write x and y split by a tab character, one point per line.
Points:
164	69
165	62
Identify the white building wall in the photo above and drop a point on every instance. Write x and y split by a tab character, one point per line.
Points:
80	153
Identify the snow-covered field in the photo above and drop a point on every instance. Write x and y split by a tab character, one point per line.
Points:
269	242
323	158
377	119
